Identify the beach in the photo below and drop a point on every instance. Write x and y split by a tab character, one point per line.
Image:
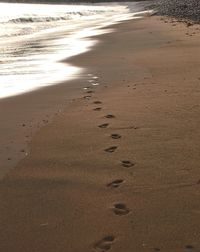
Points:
112	167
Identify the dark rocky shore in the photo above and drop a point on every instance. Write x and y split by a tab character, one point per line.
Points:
181	9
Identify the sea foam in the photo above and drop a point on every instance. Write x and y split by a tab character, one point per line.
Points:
36	38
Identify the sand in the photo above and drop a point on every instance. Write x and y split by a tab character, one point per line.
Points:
119	170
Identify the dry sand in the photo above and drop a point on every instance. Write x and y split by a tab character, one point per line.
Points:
118	171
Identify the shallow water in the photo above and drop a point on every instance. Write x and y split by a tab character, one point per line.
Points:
35	38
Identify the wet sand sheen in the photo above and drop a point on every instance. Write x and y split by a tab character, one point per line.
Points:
122	178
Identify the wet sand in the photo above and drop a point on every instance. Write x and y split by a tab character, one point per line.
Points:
117	169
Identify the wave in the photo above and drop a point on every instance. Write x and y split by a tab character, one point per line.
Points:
66	16
35	39
37	19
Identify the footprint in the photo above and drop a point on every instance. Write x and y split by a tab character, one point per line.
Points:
105	244
115	136
97	109
104	125
87	96
109	116
90	92
189	247
120	209
95	84
115	183
111	149
97	102
127	163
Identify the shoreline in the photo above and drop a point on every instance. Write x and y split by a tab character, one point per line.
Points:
121	177
18	130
